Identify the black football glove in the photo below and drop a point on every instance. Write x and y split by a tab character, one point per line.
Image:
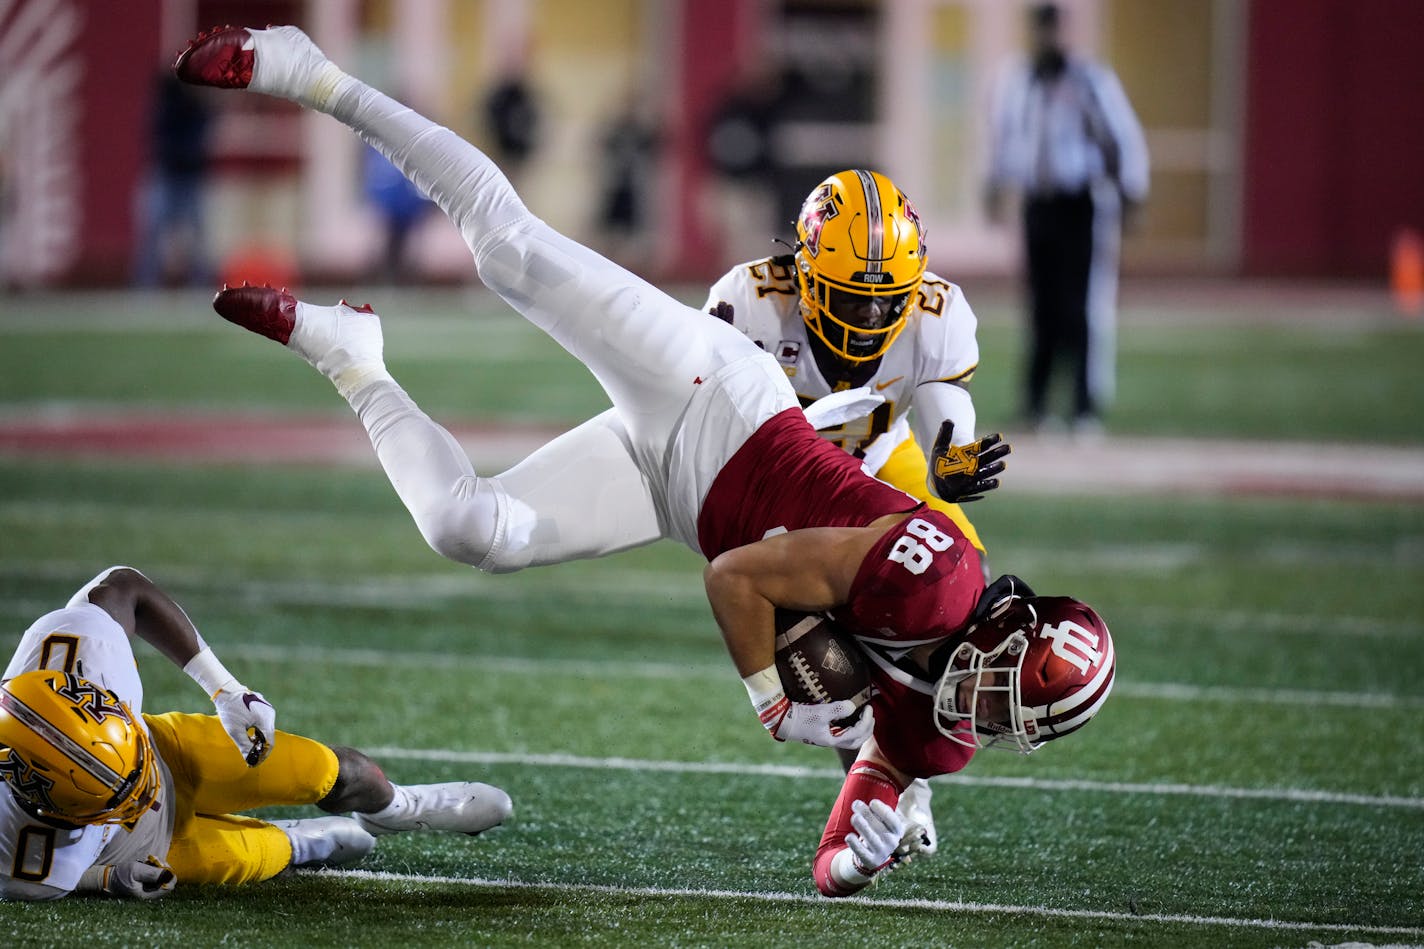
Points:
963	473
723	311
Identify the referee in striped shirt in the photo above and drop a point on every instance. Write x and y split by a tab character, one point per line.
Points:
1066	139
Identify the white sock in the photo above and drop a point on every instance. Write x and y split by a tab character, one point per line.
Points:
306	849
394	812
350	381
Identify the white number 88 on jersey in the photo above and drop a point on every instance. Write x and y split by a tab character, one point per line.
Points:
915	549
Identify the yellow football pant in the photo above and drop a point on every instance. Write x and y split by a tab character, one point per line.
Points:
211	843
907	470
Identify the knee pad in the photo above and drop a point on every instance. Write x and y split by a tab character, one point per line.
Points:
465	525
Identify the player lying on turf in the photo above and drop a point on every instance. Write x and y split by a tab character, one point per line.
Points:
98	797
706	444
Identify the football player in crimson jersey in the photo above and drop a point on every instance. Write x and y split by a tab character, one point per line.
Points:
854	309
706	443
98	797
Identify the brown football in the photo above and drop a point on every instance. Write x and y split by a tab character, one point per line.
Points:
818	661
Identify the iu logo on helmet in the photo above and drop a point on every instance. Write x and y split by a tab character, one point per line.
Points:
1073	643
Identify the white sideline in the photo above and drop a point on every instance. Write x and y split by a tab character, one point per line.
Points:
1293	795
944	906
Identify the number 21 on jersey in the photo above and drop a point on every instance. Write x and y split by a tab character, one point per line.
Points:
915	549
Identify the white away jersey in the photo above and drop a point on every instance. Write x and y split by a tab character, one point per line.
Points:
938	344
36	859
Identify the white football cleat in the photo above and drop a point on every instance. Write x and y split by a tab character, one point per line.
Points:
326	841
281	61
914	807
465	807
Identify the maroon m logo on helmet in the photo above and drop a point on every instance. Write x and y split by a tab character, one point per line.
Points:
819	208
90	699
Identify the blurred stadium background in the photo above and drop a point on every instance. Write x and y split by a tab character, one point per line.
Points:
1286	137
1252	526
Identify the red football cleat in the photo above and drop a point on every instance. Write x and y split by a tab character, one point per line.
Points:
263	310
220	57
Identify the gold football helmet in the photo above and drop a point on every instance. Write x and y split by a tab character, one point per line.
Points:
860	257
72	752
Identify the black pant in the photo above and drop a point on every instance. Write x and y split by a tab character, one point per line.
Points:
1059	233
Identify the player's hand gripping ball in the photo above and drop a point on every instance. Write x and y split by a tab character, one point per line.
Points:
819	662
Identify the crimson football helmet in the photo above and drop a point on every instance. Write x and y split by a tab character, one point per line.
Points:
1031	669
72	752
860	257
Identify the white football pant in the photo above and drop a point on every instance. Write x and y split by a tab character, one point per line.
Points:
687	389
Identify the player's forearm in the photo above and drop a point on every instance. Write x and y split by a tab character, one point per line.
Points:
162	622
937	401
835	869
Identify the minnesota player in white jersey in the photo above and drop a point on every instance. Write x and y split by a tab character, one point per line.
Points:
97	796
854	308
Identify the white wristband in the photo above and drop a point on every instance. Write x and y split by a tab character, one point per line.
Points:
846	872
763	688
209	672
94	880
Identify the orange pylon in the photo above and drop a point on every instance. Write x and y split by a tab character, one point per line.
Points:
1406	272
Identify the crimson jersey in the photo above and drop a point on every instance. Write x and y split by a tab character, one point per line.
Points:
919	583
905	729
784	478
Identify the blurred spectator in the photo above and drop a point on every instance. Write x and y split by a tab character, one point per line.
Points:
171	240
741	148
400	206
629	148
1066	139
511	118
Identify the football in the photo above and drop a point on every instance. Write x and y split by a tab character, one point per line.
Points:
818	661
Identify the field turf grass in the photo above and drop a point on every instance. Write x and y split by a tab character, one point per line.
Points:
1256	780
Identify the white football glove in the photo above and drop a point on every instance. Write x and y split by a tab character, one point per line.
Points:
812	724
143	881
914	842
249	720
878	833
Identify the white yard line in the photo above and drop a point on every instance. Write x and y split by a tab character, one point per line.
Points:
939	906
1291	795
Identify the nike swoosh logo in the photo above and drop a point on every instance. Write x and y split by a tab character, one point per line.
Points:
248	698
887	384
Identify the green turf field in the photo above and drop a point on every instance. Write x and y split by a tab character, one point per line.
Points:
1256	780
1185	369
